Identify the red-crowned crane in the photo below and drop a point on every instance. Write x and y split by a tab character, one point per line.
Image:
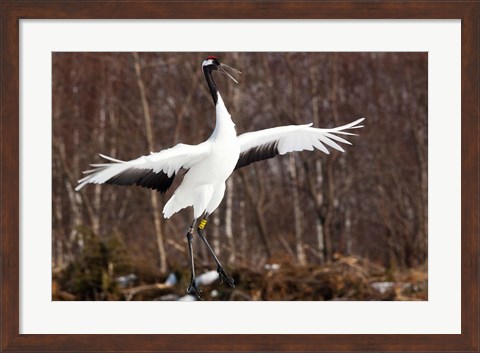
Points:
210	163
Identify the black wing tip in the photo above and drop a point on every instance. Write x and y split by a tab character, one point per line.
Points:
258	153
146	178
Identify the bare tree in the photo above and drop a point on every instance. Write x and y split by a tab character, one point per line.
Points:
157	220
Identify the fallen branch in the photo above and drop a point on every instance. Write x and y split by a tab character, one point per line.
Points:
131	292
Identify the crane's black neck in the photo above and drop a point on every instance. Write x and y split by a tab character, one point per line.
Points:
207	71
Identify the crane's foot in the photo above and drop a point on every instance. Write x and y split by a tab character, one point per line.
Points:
224	277
194	290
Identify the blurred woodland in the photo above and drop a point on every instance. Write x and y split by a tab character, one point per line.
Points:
304	226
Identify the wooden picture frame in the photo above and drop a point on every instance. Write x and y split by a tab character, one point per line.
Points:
13	11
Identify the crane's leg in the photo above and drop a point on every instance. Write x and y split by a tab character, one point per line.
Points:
192	287
223	275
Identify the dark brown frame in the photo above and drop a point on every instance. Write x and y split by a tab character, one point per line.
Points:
13	11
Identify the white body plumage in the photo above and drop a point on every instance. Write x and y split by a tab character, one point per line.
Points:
203	186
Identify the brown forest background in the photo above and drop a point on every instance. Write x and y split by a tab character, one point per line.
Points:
305	226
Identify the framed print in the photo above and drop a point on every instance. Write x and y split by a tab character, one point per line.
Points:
385	257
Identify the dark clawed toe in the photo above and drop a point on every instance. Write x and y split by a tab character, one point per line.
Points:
194	290
224	277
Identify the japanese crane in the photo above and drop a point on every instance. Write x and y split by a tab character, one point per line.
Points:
210	163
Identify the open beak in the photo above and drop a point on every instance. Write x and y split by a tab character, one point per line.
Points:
223	68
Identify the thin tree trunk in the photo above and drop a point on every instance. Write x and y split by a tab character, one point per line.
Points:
292	168
330	205
59	232
256	203
57	246
243	232
319	204
234	96
297	212
216	233
421	154
112	121
228	221
347	232
97	196
318	185
184	108
153	195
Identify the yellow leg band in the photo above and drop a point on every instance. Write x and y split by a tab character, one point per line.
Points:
202	224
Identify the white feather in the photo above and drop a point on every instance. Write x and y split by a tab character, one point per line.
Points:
293	138
169	161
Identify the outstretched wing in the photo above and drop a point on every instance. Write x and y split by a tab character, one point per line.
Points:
264	144
155	171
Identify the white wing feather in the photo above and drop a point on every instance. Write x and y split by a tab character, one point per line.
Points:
168	161
293	138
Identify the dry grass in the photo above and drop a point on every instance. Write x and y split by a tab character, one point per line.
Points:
345	278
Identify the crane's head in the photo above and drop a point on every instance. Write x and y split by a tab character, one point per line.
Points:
213	63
